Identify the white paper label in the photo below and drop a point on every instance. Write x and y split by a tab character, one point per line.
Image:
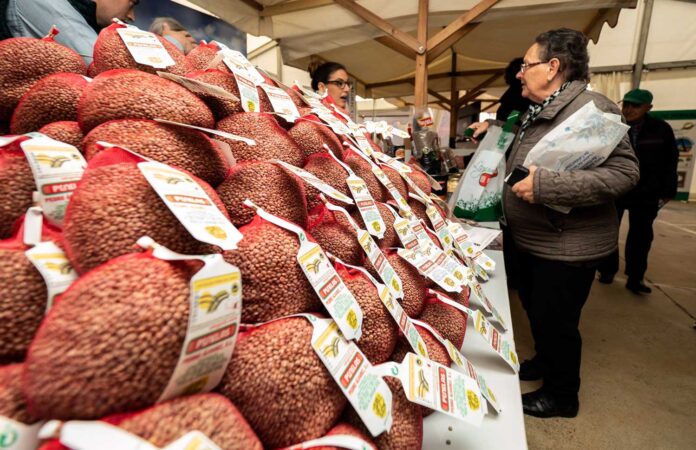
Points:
393	191
91	435
238	64
215	310
363	143
145	48
333	293
422	260
497	342
18	436
248	93
223	134
391	162
199	87
191	205
57	168
440	388
282	103
468	249
193	440
477	289
311	179
366	391
345	441
336	125
54	267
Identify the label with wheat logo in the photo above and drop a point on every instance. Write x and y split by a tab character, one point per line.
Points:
145	47
54	267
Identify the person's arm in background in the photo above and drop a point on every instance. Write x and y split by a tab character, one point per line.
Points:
670	158
34	18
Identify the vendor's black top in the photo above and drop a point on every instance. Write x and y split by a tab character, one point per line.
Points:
86	8
656	149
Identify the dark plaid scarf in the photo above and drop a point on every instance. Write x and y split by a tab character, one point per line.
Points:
536	109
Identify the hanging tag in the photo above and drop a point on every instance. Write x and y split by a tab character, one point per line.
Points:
333	293
57	168
468	249
191	205
312	180
193	440
460	360
344	441
145	47
421	261
308	93
200	87
374	254
437	387
223	134
366	391
248	93
33	226
215	309
334	123
392	162
363	143
282	103
396	195
54	267
501	345
15	435
486	304
238	64
363	199
90	435
397	312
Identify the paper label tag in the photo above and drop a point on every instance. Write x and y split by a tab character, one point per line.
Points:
222	134
397	312
363	143
311	179
440	388
90	435
33	226
145	48
366	391
333	293
467	249
57	168
238	64
391	162
336	125
193	440
199	87
421	260
440	228
191	205
248	93
18	436
497	342
345	441
54	267
408	238
282	103
477	289
395	194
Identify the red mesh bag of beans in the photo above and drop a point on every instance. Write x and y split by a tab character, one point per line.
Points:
414	284
202	56
12	404
24	61
311	135
420	180
379	331
324	167
418	209
64	131
396	180
23	296
267	185
110	52
272	141
114	205
16	186
132	94
390	238
51	99
111	342
280	385
407	422
363	169
334	233
181	147
445	319
221	107
460	297
274	283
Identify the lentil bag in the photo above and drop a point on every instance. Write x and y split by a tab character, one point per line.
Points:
16	187
12	404
324	167
336	235
64	131
311	135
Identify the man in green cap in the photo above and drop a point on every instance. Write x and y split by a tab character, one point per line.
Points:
656	149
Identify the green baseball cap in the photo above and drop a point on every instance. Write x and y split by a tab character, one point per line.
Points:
639	97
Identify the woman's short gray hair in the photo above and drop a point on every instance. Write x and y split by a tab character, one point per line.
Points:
570	48
157	26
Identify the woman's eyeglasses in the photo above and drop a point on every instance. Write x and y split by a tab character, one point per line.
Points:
340	83
526	66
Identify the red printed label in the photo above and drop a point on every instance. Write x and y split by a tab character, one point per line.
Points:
329	287
58	188
211	338
351	370
444	391
188	200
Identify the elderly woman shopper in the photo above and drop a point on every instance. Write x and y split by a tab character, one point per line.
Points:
559	252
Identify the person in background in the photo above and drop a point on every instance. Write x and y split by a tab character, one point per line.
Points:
512	99
656	148
559	252
79	21
331	77
173	31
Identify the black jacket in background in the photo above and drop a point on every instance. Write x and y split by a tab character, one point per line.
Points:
658	155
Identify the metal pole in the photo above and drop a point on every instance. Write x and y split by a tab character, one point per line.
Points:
642	43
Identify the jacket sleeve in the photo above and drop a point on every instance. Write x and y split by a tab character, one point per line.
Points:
670	161
617	175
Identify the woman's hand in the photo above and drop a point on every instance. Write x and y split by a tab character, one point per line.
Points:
479	128
524	189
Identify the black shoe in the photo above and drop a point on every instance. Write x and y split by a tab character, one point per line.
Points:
532	370
541	403
606	278
638	287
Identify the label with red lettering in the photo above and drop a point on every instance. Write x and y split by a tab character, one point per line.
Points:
145	47
467	249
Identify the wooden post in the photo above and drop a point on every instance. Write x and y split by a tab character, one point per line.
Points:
454	101
421	82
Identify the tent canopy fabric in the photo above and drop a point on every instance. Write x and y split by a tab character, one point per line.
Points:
325	30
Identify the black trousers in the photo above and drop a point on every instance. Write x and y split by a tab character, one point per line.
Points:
638	241
553	294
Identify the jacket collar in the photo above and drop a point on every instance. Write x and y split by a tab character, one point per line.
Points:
88	10
574	89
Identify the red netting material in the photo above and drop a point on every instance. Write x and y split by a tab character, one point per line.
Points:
16	186
324	167
335	234
446	319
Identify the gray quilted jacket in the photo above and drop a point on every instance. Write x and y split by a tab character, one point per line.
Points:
590	231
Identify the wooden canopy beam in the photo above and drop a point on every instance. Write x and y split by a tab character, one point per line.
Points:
421	78
397	46
294	6
443	39
437	76
472	94
493	103
251	3
487	82
454	97
449	42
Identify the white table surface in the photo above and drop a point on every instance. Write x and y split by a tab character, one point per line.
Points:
504	431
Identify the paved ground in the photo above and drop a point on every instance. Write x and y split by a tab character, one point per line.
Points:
639	353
